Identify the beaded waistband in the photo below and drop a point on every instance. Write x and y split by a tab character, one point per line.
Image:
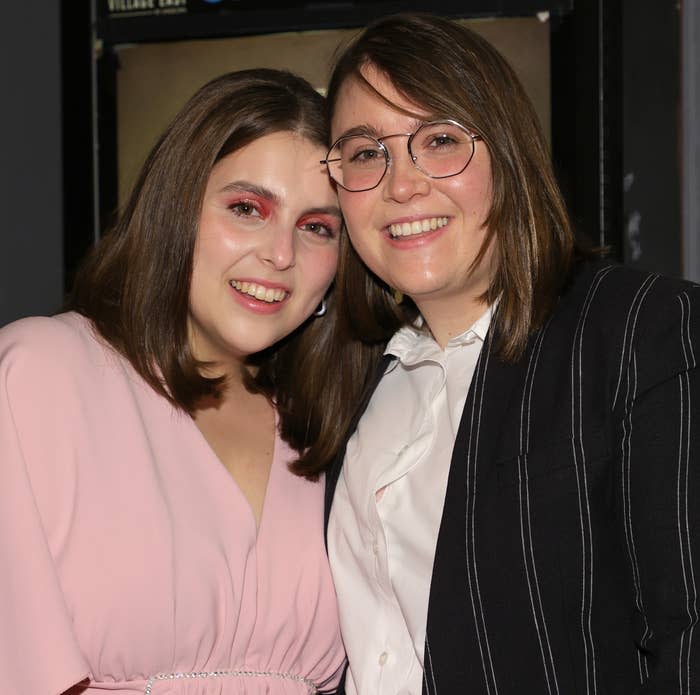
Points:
312	689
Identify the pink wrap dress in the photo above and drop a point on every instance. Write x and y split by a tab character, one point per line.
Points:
131	561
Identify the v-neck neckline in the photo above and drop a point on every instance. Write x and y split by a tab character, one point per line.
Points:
257	527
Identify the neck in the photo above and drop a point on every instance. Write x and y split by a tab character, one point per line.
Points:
447	319
234	388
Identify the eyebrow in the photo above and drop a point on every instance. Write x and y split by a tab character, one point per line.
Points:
249	187
326	210
262	192
367	129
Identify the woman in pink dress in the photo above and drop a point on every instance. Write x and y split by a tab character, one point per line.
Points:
159	530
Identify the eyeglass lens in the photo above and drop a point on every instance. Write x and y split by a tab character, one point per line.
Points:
439	149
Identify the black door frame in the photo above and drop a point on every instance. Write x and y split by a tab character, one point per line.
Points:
586	95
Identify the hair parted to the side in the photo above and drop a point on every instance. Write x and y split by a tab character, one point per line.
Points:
449	71
135	284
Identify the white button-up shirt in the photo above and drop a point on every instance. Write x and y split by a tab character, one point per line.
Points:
388	504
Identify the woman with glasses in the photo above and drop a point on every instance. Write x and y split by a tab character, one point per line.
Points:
517	507
161	517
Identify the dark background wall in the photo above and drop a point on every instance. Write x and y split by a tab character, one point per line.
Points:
648	52
651	139
31	228
690	89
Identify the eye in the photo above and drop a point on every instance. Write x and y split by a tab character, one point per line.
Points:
245	208
361	151
320	228
442	140
366	155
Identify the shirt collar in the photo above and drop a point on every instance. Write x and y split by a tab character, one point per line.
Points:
411	344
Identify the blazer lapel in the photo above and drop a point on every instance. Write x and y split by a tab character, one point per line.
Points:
456	627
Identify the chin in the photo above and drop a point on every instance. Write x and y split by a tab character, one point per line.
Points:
416	290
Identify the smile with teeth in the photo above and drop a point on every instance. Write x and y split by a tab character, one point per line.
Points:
264	294
417	226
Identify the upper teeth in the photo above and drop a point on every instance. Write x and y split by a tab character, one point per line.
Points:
265	294
417	226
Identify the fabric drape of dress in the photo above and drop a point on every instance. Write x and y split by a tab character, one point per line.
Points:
128	552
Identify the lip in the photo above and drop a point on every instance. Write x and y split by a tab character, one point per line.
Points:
259	306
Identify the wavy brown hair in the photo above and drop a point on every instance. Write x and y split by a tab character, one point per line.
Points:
135	284
451	72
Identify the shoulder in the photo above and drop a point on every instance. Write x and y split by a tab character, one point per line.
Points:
634	317
616	294
50	347
35	331
59	335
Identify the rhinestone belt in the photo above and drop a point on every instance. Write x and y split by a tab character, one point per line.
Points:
312	689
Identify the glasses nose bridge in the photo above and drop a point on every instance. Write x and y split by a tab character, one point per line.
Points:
387	151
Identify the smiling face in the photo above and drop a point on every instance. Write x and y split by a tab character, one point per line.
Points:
266	248
418	234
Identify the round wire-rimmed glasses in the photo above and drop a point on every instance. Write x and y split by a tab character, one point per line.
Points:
440	149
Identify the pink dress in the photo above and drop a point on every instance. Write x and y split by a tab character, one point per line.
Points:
130	561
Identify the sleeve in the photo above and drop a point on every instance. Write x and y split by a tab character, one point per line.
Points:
661	463
38	650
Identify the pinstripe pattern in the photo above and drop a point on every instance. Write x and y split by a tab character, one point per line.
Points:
628	366
684	660
575	493
533	586
479	380
626	479
428	668
632	316
579	457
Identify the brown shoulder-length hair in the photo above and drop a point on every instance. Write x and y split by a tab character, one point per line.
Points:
449	71
135	284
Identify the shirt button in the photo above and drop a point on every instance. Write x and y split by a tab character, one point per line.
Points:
375	548
382	658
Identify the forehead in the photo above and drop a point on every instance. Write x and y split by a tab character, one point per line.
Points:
267	147
284	163
359	105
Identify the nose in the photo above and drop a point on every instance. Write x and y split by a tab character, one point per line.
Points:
403	180
279	248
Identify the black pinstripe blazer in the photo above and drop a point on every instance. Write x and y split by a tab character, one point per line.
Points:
568	557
